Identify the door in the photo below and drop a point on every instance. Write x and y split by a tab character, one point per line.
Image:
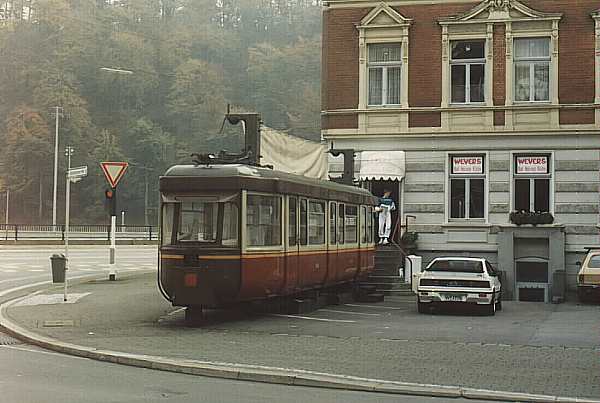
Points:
292	251
332	246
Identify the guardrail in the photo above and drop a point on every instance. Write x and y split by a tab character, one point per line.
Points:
15	232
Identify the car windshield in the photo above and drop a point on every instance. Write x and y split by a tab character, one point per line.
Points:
456	266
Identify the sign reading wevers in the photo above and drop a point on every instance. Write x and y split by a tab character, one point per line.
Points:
532	164
466	164
114	171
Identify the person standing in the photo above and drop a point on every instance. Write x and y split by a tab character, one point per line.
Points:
385	208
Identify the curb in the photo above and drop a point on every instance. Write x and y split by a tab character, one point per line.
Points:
265	374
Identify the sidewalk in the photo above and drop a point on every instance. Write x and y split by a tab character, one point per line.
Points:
128	321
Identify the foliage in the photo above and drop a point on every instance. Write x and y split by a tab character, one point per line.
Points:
531	217
188	59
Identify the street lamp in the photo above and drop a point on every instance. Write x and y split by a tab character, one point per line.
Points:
57	115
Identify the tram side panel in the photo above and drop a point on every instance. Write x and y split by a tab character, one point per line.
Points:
262	275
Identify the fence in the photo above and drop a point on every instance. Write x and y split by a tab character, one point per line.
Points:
15	232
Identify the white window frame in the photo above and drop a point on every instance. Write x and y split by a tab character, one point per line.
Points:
550	176
532	61
467	177
384	66
468	63
282	221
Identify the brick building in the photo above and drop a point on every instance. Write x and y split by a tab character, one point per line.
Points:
496	106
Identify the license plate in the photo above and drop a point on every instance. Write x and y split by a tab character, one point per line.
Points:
454	297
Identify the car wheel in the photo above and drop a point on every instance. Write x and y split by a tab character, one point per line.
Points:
422	307
499	303
490	309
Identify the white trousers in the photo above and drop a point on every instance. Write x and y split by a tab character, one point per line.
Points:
385	224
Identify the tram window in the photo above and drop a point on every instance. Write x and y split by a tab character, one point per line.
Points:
292	224
316	223
263	220
369	224
363	224
341	220
351	218
303	222
166	233
208	221
332	226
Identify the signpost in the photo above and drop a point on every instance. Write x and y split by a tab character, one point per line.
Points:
113	171
73	175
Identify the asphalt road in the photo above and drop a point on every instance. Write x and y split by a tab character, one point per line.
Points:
29	374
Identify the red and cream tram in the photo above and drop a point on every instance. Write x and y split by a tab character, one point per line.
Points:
233	233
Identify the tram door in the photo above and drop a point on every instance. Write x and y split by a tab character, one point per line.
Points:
332	246
292	250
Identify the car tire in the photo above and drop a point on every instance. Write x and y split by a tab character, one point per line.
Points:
422	307
490	309
499	303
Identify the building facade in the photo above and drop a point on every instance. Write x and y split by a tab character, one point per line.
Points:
496	106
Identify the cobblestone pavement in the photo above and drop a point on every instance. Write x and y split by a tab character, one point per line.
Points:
528	347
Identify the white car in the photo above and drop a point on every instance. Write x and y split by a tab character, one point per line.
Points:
459	279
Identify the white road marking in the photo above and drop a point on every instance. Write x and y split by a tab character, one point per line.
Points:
310	318
20	278
9	271
36	270
171	313
349	312
378	307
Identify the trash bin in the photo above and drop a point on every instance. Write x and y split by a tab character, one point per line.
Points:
559	286
59	264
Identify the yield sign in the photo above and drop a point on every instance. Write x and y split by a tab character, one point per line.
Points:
114	171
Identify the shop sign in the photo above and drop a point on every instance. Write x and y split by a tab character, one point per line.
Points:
535	164
465	164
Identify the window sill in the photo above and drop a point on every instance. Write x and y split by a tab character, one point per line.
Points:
467	105
387	106
467	223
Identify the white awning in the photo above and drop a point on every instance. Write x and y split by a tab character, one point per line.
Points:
382	165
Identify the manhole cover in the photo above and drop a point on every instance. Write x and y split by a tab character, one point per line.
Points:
6	340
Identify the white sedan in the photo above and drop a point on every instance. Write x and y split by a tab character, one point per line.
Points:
460	279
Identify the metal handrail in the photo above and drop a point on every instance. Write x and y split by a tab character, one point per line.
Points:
45	231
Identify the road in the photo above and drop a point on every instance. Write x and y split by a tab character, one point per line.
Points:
29	374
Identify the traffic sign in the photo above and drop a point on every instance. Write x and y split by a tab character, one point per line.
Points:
77	172
114	171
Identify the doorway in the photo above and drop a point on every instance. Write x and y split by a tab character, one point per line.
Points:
377	187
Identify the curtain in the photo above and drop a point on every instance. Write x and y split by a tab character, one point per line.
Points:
375	85
393	78
385	52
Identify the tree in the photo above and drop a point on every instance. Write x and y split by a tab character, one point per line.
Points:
27	157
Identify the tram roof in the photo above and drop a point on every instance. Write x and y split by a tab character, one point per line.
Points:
192	179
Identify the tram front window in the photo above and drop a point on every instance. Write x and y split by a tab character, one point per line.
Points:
210	222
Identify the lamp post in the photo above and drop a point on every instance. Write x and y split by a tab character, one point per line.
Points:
57	115
68	153
6	212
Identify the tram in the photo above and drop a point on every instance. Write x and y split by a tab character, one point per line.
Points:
234	232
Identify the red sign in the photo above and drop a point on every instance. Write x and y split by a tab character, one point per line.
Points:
534	164
467	164
114	171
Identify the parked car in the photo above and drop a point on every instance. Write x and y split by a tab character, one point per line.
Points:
460	280
588	278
